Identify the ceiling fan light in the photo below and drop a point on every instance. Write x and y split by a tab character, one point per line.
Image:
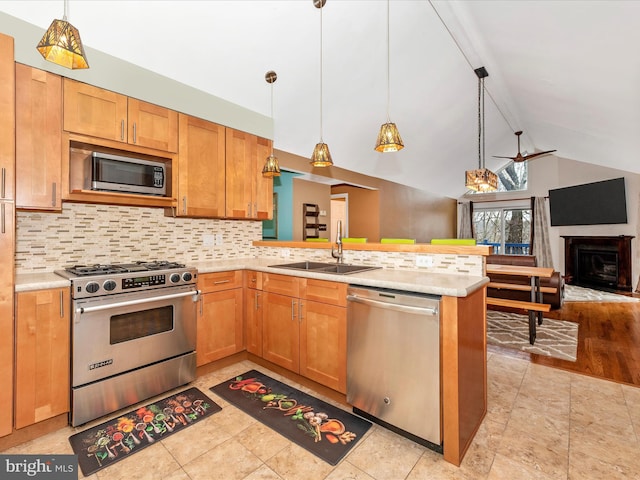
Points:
321	156
61	45
389	139
481	180
271	167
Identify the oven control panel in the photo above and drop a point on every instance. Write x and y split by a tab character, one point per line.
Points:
144	281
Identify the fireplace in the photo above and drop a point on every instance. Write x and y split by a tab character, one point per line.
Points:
598	262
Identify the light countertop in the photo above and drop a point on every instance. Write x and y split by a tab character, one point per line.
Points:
446	284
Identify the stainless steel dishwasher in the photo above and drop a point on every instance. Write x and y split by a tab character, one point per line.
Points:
393	361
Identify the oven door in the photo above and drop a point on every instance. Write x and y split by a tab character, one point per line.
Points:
113	335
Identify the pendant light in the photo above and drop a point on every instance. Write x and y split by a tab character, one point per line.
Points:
61	44
389	139
271	167
482	179
321	156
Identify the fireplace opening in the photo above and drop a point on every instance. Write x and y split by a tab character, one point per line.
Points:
597	268
598	262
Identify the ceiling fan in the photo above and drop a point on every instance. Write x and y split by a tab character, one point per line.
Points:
522	158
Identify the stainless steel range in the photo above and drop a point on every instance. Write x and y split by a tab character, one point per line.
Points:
133	334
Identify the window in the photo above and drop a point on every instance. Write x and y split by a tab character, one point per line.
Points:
508	229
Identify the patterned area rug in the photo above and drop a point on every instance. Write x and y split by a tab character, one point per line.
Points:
121	437
323	429
554	338
574	293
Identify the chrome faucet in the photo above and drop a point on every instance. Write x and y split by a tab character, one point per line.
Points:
338	254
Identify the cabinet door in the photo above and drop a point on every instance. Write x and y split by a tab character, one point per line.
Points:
6	315
201	168
94	111
42	355
280	331
152	126
241	174
38	138
253	320
220	327
323	344
263	195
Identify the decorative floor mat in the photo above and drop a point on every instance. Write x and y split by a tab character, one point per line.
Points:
119	438
323	429
554	338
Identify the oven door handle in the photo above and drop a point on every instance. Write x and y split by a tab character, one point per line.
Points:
196	295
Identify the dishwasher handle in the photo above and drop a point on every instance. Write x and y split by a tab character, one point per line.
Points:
392	306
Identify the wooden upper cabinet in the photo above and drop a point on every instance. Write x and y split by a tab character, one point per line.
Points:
7	118
201	168
97	112
249	194
38	139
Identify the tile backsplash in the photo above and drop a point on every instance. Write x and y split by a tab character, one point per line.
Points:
89	234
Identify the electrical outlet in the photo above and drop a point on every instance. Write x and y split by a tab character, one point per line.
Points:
424	261
219	240
285	253
207	240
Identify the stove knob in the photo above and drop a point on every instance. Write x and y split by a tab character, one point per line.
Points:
175	277
92	287
186	276
109	285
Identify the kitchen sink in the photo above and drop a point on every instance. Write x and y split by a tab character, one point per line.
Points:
320	267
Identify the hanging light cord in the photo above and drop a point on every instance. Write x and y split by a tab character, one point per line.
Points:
388	69
65	10
272	119
321	140
481	149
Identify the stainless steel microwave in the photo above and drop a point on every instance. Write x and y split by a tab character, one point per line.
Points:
124	174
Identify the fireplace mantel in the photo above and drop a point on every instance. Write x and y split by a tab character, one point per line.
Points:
620	246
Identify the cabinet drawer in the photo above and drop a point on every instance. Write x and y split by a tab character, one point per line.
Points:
284	284
253	279
333	293
217	281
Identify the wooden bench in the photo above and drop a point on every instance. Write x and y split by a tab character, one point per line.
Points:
519	287
530	307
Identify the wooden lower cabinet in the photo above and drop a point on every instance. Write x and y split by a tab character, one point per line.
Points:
220	316
42	384
253	298
306	334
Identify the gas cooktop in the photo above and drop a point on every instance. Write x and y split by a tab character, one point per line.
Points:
108	269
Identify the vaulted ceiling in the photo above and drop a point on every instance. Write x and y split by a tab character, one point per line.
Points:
565	72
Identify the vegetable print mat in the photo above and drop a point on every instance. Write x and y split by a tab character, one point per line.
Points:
324	430
119	438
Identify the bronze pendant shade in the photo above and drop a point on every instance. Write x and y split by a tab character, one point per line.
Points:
61	45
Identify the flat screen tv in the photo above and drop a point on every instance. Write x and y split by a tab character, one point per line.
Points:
598	203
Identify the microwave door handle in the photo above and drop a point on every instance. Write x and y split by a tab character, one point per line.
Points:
127	303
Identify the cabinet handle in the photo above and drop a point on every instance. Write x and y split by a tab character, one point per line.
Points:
255	209
220	282
300	311
249	210
134	132
257	304
184	205
122	130
61	304
201	301
53	194
3	214
4	181
293	310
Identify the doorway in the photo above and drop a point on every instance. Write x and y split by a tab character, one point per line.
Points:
339	211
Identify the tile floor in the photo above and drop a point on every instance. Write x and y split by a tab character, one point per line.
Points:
542	423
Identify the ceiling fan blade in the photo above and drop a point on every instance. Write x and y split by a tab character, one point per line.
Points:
510	158
537	154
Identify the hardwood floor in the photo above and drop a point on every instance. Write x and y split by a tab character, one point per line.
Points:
608	341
